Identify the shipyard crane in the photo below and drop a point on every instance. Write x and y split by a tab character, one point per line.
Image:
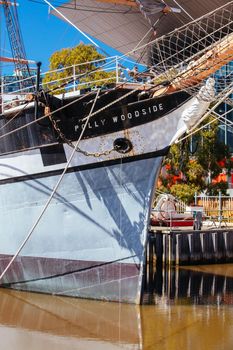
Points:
21	63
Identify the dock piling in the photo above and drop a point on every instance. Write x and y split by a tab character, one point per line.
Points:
190	247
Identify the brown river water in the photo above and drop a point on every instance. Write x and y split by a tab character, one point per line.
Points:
188	309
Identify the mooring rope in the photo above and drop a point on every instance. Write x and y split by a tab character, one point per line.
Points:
52	194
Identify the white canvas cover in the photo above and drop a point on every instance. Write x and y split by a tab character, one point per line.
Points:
122	24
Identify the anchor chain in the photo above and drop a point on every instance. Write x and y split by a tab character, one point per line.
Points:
69	142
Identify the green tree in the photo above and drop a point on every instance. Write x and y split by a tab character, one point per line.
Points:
64	61
194	163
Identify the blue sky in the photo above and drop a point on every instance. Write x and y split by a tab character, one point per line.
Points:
44	33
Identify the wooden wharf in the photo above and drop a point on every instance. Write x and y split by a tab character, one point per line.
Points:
168	249
189	247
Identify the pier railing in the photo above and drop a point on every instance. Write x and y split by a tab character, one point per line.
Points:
216	211
220	206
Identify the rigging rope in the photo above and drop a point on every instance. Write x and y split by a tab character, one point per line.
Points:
15	116
72	24
43	117
68	104
166	43
194	130
52	194
183	9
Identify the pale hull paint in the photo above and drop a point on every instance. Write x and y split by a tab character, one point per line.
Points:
91	240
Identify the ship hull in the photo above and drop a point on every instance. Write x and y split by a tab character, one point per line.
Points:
91	240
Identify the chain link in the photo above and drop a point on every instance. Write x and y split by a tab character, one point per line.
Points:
69	142
96	154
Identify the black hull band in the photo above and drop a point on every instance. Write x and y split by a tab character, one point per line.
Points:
160	153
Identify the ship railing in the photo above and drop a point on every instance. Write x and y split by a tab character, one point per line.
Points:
114	69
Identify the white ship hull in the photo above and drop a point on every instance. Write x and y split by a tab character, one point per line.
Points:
91	241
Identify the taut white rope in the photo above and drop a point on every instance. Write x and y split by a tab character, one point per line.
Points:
52	194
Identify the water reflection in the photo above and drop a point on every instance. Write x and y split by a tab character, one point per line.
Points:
203	285
30	320
190	311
